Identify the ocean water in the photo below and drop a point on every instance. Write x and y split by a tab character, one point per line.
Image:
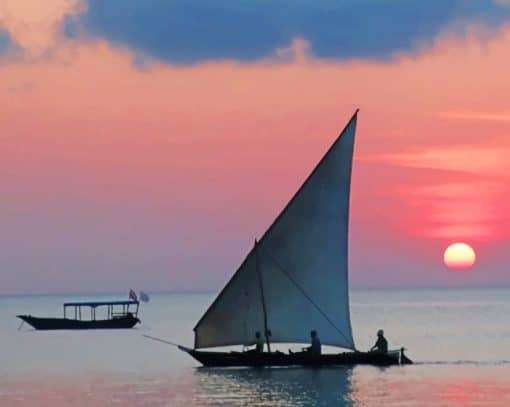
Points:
459	339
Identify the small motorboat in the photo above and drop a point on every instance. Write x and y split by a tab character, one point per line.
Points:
119	315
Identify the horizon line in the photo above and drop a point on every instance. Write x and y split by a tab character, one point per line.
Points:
166	292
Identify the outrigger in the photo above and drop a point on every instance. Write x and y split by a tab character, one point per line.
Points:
119	315
294	280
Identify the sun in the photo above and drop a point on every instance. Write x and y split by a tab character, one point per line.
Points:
459	256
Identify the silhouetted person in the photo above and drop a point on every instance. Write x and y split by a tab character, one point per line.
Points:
315	348
259	343
381	346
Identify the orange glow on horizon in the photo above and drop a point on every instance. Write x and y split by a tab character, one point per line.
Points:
85	135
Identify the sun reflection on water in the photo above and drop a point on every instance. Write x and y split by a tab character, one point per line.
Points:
422	385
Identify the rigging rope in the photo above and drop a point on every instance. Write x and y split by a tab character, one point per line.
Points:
280	267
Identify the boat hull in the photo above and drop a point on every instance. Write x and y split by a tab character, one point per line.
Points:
253	359
45	324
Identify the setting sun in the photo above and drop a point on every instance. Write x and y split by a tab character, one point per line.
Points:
459	256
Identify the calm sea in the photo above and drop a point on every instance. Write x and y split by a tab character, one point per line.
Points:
459	339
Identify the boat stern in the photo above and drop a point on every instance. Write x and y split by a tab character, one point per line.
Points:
404	360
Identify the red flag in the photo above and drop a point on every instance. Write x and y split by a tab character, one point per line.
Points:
132	295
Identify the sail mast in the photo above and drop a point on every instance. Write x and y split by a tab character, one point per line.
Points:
261	285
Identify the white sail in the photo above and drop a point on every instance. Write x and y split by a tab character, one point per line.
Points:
299	269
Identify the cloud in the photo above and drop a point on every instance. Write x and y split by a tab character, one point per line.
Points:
35	27
490	160
188	31
485	116
5	41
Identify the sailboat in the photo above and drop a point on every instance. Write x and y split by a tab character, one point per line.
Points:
294	280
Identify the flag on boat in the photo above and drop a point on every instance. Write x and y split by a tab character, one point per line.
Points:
132	295
143	296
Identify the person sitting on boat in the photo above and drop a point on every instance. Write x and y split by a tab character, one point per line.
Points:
259	343
315	348
381	346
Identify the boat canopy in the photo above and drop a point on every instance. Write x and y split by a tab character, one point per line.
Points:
99	303
295	279
114	308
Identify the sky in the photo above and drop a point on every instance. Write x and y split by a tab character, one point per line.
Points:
146	144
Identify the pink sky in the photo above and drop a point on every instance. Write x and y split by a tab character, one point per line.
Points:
114	176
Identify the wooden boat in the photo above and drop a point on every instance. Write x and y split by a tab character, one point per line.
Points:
294	280
253	359
120	315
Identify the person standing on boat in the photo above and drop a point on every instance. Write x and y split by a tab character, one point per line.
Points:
315	348
381	346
